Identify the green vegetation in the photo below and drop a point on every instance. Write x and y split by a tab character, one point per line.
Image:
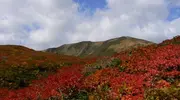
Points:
106	87
81	95
20	76
115	62
121	68
88	73
171	93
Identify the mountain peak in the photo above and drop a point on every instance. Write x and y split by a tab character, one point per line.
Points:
100	48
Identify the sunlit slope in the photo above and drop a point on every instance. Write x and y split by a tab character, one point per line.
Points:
103	48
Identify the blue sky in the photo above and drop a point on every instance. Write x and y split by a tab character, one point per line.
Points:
91	5
31	27
174	13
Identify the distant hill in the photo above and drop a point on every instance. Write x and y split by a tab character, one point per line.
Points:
19	65
102	48
17	55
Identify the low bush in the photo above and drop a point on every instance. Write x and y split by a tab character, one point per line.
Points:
20	76
171	93
115	62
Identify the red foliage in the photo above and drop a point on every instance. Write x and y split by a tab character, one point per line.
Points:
162	83
127	84
12	55
145	68
54	85
101	77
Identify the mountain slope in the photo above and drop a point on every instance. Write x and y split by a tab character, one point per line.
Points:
145	73
19	65
103	48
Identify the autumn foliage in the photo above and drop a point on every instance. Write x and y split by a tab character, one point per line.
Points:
151	73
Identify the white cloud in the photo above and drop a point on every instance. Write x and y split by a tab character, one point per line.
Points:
41	24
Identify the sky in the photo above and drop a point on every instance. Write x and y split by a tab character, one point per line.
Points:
42	24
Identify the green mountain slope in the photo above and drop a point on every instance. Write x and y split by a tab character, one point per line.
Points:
102	48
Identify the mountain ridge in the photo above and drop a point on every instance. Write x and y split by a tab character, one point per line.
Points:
99	48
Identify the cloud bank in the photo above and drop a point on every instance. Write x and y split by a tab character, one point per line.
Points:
41	24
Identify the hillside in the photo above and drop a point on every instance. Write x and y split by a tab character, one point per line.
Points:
19	65
144	73
16	55
103	48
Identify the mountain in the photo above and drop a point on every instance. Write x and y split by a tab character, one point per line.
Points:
102	48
